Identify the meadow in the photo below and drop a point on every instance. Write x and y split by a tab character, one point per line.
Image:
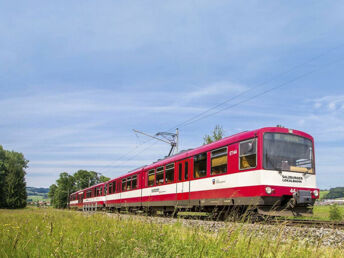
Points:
34	232
323	212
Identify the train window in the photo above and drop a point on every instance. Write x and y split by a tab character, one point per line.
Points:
151	177
134	182
114	187
186	171
118	186
219	161
110	188
169	173
248	154
180	172
124	184
200	165
88	194
160	175
129	183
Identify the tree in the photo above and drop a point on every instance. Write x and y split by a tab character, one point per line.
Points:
84	178
217	135
51	193
336	192
104	179
3	173
12	183
60	194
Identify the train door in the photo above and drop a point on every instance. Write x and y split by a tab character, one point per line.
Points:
233	158
183	183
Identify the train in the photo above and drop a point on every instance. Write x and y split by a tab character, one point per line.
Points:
267	171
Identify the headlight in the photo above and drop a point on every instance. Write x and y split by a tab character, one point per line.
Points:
316	193
268	190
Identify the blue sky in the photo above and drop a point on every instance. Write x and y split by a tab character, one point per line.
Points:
77	77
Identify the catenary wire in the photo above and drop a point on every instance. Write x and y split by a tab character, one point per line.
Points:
206	113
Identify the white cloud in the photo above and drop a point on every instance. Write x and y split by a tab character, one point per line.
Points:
331	103
214	89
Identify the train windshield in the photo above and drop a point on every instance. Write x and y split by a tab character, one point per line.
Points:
288	152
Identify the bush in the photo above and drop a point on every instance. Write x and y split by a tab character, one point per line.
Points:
335	213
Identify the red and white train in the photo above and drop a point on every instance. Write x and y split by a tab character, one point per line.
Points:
270	170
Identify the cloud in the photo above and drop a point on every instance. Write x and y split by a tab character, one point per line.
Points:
212	90
330	103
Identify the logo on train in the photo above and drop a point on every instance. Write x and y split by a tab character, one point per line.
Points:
213	181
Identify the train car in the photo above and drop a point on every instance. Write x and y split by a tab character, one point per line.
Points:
73	200
269	170
76	200
94	197
125	191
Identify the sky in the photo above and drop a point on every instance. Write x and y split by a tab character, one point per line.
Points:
77	77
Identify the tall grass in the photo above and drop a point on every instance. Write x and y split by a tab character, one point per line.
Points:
47	232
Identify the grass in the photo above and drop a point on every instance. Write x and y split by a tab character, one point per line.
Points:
37	232
322	194
323	212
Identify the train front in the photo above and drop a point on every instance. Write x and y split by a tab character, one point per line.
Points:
288	173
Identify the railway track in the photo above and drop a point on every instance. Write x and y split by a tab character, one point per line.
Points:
274	221
307	223
286	222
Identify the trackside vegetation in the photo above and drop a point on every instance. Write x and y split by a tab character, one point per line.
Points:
61	233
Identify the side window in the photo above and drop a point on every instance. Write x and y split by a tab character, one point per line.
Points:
124	184
180	172
169	173
219	161
160	175
248	154
186	171
129	183
200	165
151	177
110	188
114	190
118	185
134	182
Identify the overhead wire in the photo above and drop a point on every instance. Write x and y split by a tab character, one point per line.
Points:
206	113
257	86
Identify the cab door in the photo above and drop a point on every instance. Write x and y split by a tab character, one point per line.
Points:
183	183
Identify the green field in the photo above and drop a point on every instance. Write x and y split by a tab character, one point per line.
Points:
34	232
36	198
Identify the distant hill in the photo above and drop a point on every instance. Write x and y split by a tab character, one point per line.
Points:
37	194
334	193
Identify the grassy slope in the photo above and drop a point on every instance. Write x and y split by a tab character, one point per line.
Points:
48	232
